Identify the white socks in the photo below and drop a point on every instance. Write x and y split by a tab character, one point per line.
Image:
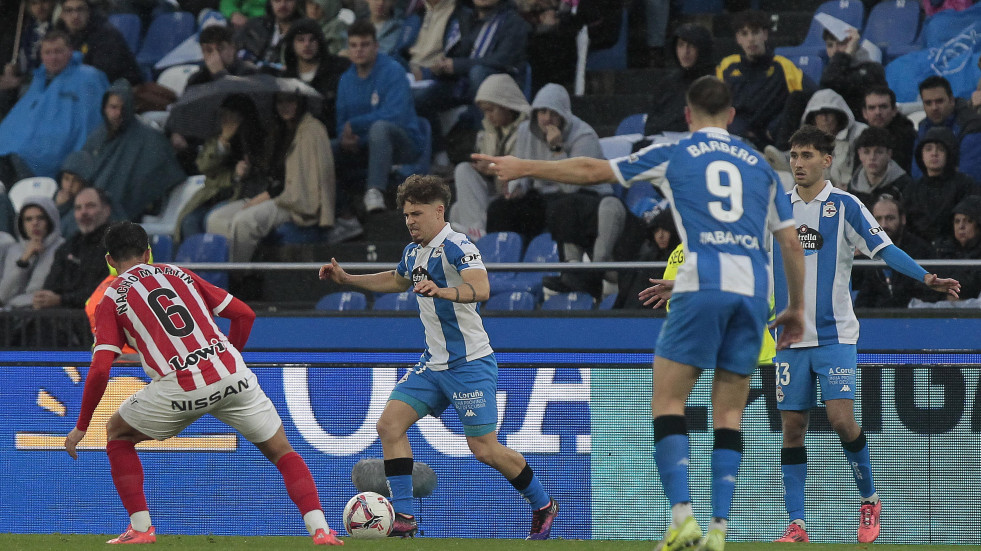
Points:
679	512
314	520
140	521
873	499
800	522
719	524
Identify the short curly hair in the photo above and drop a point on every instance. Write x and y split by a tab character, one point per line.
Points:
423	189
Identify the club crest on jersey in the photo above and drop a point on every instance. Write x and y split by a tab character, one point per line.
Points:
438	252
780	394
420	274
810	239
829	210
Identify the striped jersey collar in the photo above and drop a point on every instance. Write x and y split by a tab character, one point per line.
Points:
825	193
440	237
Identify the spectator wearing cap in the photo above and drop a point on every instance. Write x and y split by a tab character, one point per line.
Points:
692	50
880	111
878	173
882	287
929	202
101	45
964	243
828	111
850	71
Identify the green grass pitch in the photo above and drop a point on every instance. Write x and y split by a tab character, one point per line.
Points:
70	542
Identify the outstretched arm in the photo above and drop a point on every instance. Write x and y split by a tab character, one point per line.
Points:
792	318
95	386
380	282
898	260
582	171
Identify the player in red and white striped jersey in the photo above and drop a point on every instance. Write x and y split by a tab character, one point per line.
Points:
165	313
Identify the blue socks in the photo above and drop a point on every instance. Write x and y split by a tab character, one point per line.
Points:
671	456
530	488
398	472
857	453
727	453
793	464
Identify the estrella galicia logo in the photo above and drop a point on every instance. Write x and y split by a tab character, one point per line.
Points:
810	239
420	274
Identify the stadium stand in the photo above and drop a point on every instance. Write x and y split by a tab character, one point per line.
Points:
893	26
515	301
342	301
398	302
31	187
205	247
162	246
569	301
633	124
128	24
166	32
166	221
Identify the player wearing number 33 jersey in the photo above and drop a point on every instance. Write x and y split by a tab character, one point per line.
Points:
725	199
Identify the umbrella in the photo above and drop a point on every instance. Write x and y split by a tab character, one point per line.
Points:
195	114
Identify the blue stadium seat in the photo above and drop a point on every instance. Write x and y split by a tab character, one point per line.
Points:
812	65
290	234
632	124
501	247
569	301
893	26
398	302
849	11
162	246
511	302
342	301
613	58
702	6
607	302
541	249
166	32
128	24
421	166
970	162
205	247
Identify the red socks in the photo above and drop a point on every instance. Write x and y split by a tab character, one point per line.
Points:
299	482
127	474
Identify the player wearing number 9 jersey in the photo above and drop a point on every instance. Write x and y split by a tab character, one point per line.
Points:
165	313
724	201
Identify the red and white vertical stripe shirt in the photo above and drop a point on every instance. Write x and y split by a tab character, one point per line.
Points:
166	314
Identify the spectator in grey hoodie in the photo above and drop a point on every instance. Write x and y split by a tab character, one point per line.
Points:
27	262
878	174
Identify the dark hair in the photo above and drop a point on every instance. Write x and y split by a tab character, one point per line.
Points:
57	34
250	137
885	197
826	36
423	189
810	135
125	240
708	95
215	34
103	195
874	137
20	219
754	19
881	90
936	81
363	27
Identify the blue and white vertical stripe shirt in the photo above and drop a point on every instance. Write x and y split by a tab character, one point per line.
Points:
454	331
725	200
830	228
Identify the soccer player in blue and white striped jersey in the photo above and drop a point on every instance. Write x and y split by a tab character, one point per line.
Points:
458	367
831	224
725	201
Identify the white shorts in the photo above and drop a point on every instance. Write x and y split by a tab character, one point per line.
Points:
163	409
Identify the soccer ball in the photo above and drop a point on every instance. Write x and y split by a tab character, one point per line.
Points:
368	516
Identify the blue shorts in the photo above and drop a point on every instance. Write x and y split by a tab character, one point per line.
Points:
714	329
470	387
797	368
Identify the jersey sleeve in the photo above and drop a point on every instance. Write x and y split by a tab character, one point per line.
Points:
780	213
465	256
650	163
215	297
403	268
861	229
108	333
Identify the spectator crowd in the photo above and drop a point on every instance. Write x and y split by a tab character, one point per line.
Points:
368	91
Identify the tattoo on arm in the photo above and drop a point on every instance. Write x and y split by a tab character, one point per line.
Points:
457	299
472	290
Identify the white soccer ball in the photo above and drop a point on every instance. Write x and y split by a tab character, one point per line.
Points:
368	516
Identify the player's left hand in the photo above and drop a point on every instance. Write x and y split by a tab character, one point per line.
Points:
792	323
426	288
659	293
506	168
72	440
945	285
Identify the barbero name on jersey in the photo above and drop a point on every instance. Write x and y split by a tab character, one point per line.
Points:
709	146
129	279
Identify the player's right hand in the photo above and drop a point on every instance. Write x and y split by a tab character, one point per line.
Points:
72	440
333	271
792	327
658	294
